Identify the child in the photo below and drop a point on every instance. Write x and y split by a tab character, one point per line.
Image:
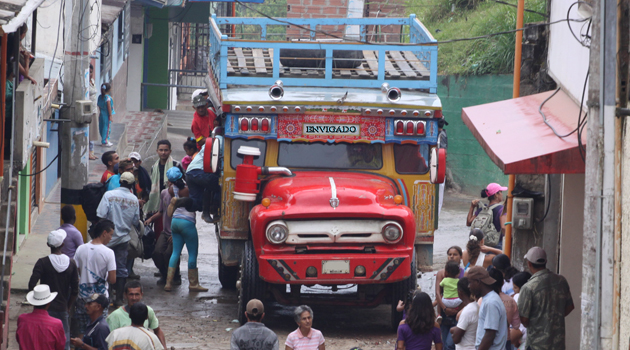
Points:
450	297
190	147
106	112
110	159
518	281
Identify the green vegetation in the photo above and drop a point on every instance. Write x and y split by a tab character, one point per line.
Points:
273	8
454	19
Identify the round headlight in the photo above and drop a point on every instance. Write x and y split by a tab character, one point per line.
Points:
392	232
277	233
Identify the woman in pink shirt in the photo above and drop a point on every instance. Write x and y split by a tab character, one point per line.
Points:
305	337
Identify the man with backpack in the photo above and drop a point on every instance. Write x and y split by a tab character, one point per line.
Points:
122	208
489	219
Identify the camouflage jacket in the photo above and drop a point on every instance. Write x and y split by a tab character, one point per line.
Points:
543	300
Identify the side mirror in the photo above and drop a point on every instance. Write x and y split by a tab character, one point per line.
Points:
437	165
211	155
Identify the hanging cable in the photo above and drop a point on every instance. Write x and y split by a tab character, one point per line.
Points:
414	44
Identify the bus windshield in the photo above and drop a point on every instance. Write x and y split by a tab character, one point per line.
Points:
330	155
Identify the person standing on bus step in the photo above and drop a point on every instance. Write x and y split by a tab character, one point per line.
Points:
442	143
106	115
480	217
204	119
204	188
184	231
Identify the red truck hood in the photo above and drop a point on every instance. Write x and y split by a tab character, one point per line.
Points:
313	191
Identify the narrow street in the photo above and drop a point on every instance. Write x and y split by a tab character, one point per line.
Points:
205	320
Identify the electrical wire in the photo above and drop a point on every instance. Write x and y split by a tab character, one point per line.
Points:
545	117
414	44
586	36
526	10
61	8
47	166
582	122
548	200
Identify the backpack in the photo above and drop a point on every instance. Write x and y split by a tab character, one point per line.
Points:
91	196
485	222
148	242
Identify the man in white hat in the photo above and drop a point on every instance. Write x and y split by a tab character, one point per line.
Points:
38	330
543	303
60	274
121	206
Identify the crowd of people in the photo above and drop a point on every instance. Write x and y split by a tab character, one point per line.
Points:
485	303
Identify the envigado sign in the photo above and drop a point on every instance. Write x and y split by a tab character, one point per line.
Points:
331	129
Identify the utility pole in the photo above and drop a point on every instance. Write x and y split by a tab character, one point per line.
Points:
75	134
599	202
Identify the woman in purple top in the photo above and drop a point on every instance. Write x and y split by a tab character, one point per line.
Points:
419	331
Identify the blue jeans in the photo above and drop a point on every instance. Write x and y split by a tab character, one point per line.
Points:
104	127
447	338
65	319
201	185
184	232
120	253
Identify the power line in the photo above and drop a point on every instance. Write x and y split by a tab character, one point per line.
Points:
414	44
526	10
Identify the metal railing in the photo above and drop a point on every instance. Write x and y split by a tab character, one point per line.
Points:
221	44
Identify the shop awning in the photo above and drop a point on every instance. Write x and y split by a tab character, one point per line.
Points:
513	134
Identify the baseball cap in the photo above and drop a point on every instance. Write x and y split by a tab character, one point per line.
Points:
56	237
135	155
173	174
127	177
255	307
536	255
203	92
199	101
481	274
99	298
494	188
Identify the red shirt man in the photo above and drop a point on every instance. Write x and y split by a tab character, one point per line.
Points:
38	330
203	120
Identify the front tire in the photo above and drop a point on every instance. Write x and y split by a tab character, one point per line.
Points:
400	291
251	285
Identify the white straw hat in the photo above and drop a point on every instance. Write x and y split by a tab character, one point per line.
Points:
40	295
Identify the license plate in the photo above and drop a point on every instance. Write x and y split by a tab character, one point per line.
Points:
335	266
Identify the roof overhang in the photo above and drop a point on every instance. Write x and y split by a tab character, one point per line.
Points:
13	13
514	135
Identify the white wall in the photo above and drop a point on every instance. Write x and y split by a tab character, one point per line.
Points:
568	59
135	61
50	34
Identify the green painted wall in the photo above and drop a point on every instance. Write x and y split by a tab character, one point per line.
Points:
24	203
156	58
157	49
471	167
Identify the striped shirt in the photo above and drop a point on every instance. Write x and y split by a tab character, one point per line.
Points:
312	341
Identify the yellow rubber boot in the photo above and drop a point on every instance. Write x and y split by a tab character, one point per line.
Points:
169	279
193	280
